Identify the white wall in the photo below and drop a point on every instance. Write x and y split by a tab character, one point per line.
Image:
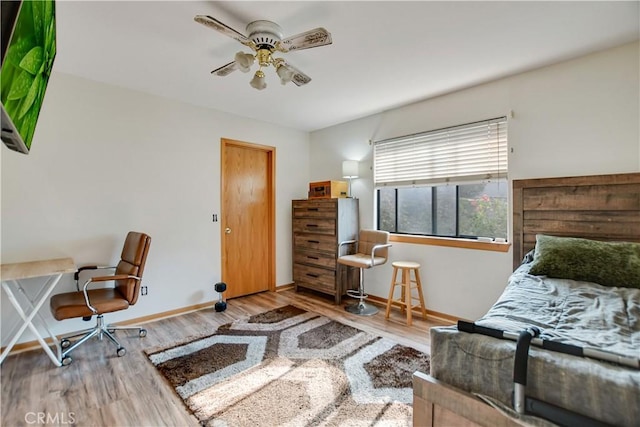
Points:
106	160
579	117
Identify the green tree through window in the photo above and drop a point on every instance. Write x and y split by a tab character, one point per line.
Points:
469	210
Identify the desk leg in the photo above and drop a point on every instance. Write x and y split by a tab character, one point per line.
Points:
35	306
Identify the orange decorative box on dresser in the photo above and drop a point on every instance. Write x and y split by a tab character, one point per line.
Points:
327	189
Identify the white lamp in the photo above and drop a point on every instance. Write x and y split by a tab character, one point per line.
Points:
244	61
258	80
350	170
285	73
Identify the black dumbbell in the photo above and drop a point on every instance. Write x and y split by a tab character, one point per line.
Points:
220	305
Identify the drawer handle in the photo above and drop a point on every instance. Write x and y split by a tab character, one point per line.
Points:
315	276
312	225
313	209
313	241
312	257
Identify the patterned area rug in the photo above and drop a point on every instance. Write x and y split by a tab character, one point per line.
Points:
290	367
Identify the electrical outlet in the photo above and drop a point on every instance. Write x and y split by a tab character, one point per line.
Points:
143	290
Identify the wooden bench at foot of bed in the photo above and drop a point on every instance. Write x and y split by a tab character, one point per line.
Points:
438	404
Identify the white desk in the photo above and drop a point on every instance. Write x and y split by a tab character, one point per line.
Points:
11	274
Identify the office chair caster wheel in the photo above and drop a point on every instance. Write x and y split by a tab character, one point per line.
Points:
142	333
121	351
65	343
111	331
66	361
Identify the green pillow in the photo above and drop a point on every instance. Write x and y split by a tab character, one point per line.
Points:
606	263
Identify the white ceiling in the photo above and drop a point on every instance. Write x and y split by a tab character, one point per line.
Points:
384	54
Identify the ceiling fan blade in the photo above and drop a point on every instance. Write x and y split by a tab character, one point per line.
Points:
312	38
299	78
225	69
223	28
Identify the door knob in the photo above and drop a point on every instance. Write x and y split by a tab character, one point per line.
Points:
227	230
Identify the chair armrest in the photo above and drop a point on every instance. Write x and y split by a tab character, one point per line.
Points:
376	248
76	275
109	278
102	279
346	242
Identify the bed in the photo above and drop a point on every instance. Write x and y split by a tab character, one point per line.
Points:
471	378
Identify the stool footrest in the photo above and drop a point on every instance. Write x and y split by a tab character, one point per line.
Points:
356	294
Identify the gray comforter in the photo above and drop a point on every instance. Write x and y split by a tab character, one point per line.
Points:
579	313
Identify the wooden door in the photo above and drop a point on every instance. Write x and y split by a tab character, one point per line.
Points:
247	217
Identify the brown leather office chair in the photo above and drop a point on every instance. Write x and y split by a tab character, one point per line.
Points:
372	249
88	302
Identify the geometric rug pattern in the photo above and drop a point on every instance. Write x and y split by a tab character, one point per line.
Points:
290	367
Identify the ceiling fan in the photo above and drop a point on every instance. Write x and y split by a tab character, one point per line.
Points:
265	38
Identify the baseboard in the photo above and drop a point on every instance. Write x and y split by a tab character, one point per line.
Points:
29	345
436	315
430	313
287	287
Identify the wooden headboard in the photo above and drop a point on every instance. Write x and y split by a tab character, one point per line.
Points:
599	207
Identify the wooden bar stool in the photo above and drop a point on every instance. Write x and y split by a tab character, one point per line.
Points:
407	285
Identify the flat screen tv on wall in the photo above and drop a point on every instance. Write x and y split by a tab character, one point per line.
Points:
28	52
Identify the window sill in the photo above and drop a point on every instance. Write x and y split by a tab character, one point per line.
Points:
452	243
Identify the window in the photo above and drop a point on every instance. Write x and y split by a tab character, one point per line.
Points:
449	182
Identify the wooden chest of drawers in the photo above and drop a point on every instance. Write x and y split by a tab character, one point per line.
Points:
318	226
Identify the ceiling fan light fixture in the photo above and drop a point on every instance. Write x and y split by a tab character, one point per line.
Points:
244	61
285	73
265	38
258	81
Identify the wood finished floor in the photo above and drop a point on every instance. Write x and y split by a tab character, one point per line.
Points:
101	389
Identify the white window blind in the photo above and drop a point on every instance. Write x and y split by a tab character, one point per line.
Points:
471	152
